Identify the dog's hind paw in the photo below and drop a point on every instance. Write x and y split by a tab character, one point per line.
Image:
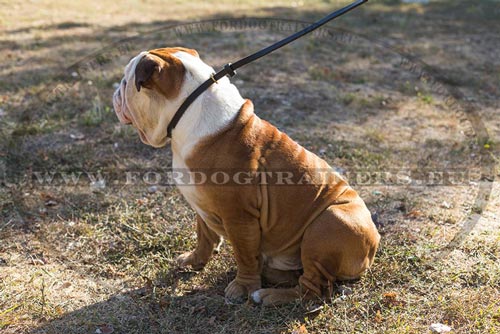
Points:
256	297
273	297
190	259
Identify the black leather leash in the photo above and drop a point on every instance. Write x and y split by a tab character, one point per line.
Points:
230	69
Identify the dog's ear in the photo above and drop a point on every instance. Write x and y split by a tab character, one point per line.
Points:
144	70
161	72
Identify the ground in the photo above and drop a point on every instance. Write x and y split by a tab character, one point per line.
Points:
89	257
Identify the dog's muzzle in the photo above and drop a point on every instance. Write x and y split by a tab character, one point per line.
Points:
120	105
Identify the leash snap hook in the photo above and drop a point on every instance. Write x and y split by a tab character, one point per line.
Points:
230	70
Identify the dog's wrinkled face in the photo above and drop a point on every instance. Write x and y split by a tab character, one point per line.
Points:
148	93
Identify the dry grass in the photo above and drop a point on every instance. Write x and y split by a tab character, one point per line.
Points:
76	258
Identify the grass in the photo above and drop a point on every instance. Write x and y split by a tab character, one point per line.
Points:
77	258
95	115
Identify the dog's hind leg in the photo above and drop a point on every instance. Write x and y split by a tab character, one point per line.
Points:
283	278
339	244
306	289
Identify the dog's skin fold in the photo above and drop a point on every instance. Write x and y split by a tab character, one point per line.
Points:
317	231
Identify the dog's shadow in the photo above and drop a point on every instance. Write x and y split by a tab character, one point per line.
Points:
162	305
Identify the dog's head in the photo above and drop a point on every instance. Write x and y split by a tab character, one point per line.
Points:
151	91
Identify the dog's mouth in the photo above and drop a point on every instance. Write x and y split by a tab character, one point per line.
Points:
119	104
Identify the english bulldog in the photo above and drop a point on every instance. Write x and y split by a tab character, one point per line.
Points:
300	235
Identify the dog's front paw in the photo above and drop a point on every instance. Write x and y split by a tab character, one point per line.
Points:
237	292
190	259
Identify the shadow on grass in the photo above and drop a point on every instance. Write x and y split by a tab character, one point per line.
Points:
71	48
155	308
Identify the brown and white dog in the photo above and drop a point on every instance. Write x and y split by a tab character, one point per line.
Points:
306	235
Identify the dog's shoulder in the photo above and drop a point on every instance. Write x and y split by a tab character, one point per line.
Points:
234	145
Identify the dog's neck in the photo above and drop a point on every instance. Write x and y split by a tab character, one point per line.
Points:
209	113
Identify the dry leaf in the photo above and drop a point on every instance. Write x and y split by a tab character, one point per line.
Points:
164	302
390	295
104	329
301	330
76	136
440	328
50	203
65	285
414	213
391	299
